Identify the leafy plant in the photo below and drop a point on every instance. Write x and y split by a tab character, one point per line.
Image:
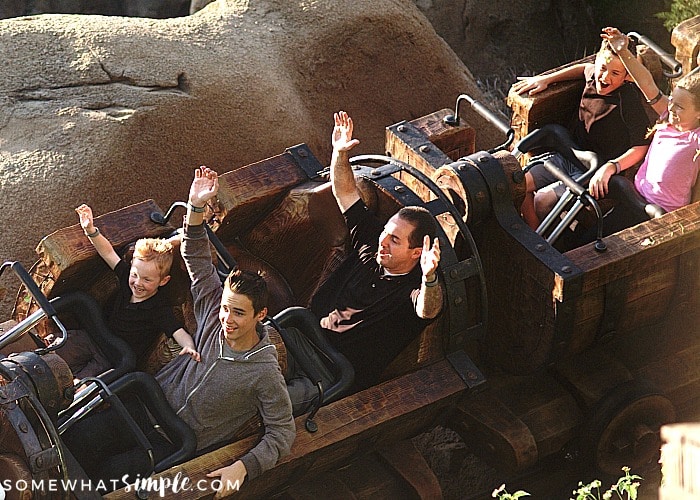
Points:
502	494
680	10
627	485
626	488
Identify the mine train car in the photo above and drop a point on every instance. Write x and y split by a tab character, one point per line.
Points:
536	350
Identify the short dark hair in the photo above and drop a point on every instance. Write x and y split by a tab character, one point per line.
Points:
423	223
250	284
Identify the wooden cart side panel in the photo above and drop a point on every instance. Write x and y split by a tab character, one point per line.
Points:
646	269
521	322
356	424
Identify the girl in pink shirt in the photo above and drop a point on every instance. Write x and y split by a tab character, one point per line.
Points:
670	168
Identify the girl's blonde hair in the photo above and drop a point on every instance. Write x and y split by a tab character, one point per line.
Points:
158	250
690	83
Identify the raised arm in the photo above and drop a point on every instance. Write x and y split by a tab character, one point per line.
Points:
429	301
195	244
102	245
536	84
342	179
637	71
204	187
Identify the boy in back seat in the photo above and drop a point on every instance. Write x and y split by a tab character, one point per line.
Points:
138	314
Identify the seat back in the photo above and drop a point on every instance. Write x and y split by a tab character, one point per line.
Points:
85	310
304	320
150	394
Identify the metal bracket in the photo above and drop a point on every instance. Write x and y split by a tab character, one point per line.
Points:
306	160
466	369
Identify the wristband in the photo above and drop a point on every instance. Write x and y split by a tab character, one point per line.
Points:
433	282
617	166
93	234
656	99
197	210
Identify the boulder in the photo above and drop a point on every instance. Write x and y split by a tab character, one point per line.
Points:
110	111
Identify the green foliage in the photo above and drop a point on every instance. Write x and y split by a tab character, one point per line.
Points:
680	11
502	494
626	489
626	485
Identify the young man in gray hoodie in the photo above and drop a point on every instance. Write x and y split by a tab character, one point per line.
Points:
239	375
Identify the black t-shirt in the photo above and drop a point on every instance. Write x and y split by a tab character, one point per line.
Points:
610	124
371	315
140	323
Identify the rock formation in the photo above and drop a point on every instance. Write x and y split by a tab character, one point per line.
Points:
110	111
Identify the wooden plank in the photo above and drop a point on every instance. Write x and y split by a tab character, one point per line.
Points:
454	141
521	326
643	246
406	460
498	436
437	144
556	104
544	406
357	424
246	194
68	248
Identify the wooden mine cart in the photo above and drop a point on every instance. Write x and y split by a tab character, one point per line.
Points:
535	352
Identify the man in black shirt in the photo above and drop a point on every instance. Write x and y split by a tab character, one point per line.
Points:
387	289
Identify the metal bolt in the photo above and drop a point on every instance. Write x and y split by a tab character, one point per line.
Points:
566	269
458	300
424	148
39	461
23	427
540	247
453	273
483	159
401	128
400	189
39	369
376	172
303	153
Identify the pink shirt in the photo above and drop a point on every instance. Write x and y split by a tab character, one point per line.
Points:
670	168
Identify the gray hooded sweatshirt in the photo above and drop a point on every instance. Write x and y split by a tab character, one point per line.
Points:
226	388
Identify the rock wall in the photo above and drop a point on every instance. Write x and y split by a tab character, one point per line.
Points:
111	110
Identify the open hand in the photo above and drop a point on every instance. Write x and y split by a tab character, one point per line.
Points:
598	186
188	351
85	215
533	84
618	40
231	478
204	186
430	256
342	132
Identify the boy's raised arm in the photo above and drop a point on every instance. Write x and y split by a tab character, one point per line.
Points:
102	245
